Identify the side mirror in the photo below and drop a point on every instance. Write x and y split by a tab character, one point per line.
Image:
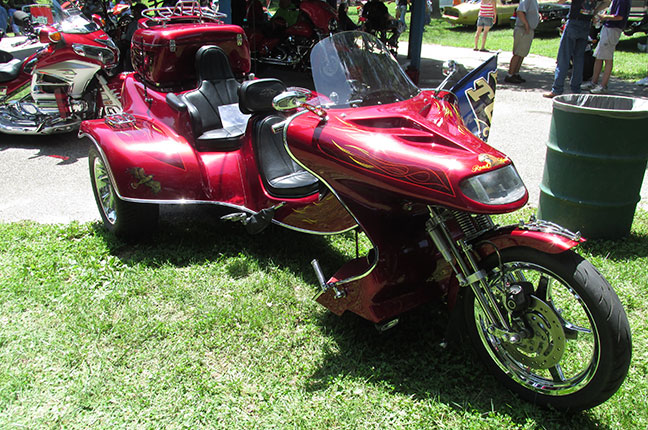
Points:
97	19
296	98
289	100
49	34
449	68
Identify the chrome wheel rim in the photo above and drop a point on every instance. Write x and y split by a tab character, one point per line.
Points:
105	191
554	361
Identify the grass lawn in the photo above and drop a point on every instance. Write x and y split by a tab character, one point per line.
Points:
207	327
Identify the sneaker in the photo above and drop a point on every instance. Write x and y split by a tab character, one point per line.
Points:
587	85
520	79
643	82
642	47
598	90
549	95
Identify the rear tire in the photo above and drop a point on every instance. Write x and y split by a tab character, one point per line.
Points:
127	220
578	348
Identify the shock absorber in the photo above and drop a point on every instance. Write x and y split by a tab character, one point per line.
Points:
458	255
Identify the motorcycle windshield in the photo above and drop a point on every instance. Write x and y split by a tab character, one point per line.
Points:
353	69
67	19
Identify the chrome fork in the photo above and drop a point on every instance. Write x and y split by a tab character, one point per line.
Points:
459	255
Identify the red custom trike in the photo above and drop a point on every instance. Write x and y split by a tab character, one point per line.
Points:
370	150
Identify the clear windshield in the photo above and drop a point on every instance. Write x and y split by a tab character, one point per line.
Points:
353	68
67	19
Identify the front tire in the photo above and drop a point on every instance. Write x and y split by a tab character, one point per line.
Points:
124	219
577	347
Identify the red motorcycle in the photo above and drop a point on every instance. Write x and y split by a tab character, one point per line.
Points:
56	88
292	46
371	151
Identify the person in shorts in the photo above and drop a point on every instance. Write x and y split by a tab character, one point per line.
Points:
613	24
485	20
527	20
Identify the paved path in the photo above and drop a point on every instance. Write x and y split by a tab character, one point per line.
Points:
45	179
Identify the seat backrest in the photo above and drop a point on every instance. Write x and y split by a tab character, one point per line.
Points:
216	87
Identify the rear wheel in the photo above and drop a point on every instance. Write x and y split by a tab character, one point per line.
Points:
575	347
122	218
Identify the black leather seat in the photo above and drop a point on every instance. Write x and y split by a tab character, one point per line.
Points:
217	87
10	68
281	175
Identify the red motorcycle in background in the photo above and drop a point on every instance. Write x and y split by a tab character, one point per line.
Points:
56	88
371	151
291	47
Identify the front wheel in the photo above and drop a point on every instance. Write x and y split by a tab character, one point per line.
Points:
124	219
575	347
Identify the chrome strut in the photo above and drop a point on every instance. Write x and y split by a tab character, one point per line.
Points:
459	255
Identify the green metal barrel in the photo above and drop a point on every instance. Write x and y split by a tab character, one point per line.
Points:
595	164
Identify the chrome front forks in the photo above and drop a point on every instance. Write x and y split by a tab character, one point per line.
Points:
458	254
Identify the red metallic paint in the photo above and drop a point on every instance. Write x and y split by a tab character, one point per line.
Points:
167	67
417	149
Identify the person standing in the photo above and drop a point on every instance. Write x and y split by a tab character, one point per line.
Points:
573	43
613	24
485	20
401	12
527	20
4	17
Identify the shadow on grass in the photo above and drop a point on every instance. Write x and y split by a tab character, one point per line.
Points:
194	234
412	359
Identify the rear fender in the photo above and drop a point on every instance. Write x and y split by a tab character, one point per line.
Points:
147	161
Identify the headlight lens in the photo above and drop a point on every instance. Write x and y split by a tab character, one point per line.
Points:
104	55
497	187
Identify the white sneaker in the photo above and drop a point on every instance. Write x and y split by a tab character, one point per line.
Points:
643	82
587	85
642	47
598	89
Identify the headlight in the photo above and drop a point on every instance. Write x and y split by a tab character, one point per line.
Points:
104	55
497	187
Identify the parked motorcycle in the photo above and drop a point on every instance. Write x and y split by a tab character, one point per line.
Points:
56	88
371	151
291	47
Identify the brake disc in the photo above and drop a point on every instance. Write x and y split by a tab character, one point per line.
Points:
546	345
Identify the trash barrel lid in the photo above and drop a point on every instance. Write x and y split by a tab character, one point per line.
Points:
603	105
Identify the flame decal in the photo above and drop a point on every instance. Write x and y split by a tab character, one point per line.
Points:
431	178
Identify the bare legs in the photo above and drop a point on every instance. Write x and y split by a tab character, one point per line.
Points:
607	71
515	64
478	33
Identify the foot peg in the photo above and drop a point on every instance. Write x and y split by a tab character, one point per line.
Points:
257	222
322	281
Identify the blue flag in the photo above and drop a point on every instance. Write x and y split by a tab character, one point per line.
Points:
476	95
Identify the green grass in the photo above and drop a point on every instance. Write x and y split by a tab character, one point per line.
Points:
207	327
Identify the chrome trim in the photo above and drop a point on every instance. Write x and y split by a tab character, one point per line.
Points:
196	202
36	129
543	226
377	251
